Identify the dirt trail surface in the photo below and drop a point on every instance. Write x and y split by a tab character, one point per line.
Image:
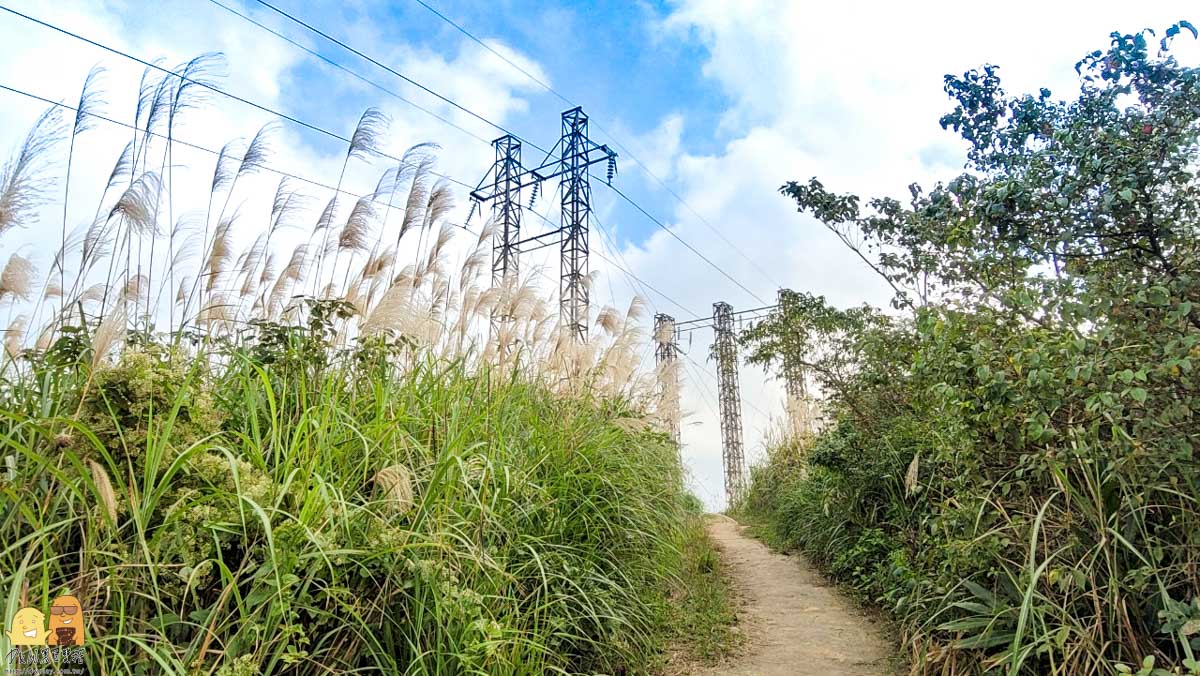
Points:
796	623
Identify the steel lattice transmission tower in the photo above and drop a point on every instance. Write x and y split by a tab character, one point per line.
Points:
793	379
576	209
793	371
665	355
732	454
506	210
568	161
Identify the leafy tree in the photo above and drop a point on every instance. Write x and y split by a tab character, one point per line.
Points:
1012	468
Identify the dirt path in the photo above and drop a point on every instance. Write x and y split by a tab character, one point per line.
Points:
795	621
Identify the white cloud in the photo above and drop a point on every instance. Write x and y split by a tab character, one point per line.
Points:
262	68
850	92
658	149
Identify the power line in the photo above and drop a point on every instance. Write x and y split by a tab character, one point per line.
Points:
343	139
684	242
214	89
194	146
464	109
613	263
604	131
647	284
711	398
346	70
397	73
745	401
502	57
499	127
610	240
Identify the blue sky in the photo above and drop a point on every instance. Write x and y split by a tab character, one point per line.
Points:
725	100
608	57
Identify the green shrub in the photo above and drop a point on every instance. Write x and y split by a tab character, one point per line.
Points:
543	532
1009	465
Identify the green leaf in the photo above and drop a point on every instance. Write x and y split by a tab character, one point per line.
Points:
1138	394
1126	194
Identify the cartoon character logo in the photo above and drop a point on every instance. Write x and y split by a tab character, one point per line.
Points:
28	627
66	622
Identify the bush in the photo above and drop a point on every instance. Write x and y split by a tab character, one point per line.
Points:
541	532
1010	464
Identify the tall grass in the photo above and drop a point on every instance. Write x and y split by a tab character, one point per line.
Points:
236	479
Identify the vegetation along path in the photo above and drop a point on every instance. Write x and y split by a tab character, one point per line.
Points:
796	622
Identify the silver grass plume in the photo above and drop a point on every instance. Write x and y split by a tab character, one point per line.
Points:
123	168
53	289
445	234
256	154
417	197
268	270
95	244
109	334
196	79
395	483
90	101
368	134
286	206
393	310
217	309
288	277
16	280
23	183
250	258
355	296
377	262
94	293
355	236
66	248
609	319
225	170
296	264
152	101
912	474
325	220
188	230
45	336
220	253
387	181
181	292
441	201
104	490
135	287
14	336
137	207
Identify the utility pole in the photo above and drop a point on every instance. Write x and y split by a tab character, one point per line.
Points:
665	355
732	455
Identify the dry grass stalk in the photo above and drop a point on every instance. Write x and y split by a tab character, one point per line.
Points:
109	334
395	482
14	336
23	184
104	490
16	280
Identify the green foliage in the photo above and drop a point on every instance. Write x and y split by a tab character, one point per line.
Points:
702	615
224	512
1011	466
